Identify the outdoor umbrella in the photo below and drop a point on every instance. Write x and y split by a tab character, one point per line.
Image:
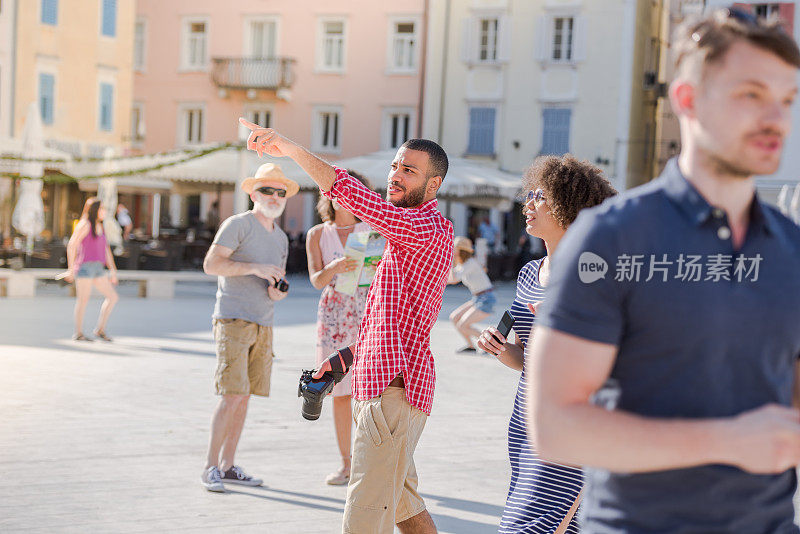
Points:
107	193
28	216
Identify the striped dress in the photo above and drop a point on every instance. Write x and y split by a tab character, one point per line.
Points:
540	493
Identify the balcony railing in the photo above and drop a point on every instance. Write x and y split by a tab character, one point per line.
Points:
252	73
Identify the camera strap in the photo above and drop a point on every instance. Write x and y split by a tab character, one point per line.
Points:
345	356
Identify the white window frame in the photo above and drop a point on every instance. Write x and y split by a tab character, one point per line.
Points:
142	65
567	50
182	133
545	34
491	36
247	33
321	37
386	124
138	135
248	112
392	38
773	8
186	29
317	133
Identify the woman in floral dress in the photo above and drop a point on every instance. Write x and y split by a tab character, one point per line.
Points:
339	315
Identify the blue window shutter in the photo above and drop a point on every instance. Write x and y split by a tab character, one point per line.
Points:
109	18
481	131
50	12
46	97
555	130
106	106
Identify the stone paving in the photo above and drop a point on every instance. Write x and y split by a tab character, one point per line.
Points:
111	437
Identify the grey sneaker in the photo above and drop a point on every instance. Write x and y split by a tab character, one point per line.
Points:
235	475
212	480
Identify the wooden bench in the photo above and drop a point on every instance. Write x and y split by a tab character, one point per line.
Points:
152	284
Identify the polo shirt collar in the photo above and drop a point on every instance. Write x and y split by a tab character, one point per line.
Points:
689	201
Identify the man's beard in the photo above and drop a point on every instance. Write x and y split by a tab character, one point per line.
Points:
270	212
411	199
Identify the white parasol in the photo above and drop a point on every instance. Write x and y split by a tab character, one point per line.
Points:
28	216
107	193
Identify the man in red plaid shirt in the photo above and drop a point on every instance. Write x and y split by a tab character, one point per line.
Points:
393	371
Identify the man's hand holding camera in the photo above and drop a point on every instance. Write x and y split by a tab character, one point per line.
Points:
278	288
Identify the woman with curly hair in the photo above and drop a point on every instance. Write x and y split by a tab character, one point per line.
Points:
542	497
338	315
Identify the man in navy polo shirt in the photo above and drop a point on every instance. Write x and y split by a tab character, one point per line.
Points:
666	350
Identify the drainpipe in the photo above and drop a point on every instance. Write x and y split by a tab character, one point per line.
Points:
422	66
13	67
624	103
445	50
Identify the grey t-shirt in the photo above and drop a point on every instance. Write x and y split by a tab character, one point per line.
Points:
246	297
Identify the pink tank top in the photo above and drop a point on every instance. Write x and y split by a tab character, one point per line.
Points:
93	248
330	244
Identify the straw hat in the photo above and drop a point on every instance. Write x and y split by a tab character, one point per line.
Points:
270	172
463	243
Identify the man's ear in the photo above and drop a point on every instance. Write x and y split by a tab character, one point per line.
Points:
434	184
682	97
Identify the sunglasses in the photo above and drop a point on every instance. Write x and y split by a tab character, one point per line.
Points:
537	196
740	15
269	191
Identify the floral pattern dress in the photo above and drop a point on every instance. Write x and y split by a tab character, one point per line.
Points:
338	315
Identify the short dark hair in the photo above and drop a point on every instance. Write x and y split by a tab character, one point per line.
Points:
569	185
325	206
700	42
436	155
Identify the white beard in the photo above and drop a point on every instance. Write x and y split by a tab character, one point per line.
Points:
268	211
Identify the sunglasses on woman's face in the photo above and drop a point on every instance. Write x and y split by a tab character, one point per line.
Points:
269	191
537	196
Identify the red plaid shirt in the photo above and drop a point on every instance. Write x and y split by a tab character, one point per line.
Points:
406	296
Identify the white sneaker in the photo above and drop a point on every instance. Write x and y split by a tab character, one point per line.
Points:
236	475
212	479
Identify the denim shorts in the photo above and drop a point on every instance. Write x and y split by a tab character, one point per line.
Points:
91	269
485	301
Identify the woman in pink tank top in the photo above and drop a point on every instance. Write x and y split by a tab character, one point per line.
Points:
338	315
88	255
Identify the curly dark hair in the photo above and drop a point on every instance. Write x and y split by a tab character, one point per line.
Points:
569	185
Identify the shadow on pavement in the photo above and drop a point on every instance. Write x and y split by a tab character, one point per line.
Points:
295	502
467	506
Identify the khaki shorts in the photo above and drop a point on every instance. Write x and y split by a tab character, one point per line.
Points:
383	479
244	357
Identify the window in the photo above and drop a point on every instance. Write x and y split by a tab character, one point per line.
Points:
106	114
555	130
50	12
562	38
487	43
195	45
332	46
398	124
137	122
766	10
327	130
262	38
404	46
109	18
139	33
47	97
481	131
192	125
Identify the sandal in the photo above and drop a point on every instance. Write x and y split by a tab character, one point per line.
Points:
102	335
338	478
81	337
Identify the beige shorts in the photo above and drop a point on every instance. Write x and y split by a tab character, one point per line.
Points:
244	357
383	479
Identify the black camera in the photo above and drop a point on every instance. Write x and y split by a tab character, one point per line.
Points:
281	285
314	392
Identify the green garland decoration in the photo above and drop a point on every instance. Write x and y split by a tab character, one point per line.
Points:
129	172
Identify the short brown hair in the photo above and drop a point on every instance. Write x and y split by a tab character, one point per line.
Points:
700	42
325	206
569	185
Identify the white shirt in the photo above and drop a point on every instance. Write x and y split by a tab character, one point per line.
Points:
472	275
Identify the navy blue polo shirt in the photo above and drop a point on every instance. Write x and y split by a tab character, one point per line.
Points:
703	331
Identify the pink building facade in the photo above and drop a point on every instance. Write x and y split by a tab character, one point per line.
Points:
342	77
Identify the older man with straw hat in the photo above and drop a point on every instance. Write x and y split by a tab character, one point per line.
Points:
249	256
